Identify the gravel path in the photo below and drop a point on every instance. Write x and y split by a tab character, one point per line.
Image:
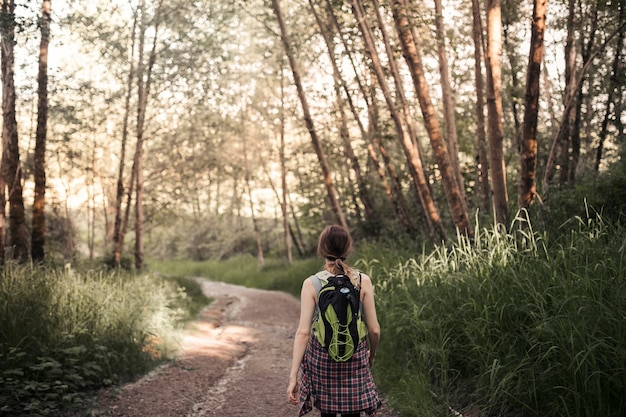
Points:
234	362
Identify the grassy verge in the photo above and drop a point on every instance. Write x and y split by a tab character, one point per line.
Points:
245	270
514	324
64	334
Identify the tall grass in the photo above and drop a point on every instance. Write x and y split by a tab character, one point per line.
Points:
511	323
64	333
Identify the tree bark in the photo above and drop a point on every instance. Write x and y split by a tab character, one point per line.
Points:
483	160
493	65
456	203
528	154
38	234
328	182
11	169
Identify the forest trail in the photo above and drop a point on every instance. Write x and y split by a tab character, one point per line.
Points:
234	361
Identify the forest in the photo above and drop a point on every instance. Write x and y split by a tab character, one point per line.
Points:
475	151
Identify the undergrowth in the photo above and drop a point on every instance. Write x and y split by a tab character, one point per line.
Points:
65	333
511	323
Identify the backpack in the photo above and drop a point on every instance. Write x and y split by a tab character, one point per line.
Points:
338	323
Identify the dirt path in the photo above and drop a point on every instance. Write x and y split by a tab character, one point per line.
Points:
234	362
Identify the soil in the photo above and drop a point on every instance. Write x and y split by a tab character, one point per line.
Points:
234	361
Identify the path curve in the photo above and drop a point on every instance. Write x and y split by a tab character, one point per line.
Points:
234	362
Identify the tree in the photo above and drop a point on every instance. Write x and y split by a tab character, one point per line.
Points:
10	166
448	100
38	236
493	65
528	153
483	160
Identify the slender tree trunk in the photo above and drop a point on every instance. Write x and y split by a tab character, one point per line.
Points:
255	223
481	141
493	65
143	92
283	171
613	87
564	133
455	200
328	182
448	101
38	234
118	236
586	51
12	172
528	154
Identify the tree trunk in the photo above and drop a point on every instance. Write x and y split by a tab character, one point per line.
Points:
12	172
528	153
118	235
456	203
283	172
328	182
483	160
38	234
448	101
563	134
255	223
586	51
613	86
493	65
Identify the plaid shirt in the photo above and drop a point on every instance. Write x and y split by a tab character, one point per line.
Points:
334	387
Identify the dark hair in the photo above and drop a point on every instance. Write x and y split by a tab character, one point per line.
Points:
335	244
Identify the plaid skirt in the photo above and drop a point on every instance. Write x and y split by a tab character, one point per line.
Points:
334	387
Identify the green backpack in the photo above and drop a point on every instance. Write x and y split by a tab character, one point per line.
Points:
338	323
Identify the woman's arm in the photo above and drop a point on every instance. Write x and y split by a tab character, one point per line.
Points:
371	319
307	309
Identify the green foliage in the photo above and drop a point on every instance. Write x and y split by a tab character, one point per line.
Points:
65	333
512	323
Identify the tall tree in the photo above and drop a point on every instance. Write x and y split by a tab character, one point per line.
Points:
612	105
448	99
308	120
143	92
483	160
118	235
11	169
38	234
456	203
493	64
528	153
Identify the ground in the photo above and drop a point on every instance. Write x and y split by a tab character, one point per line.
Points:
234	361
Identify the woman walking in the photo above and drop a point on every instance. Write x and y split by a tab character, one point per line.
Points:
344	388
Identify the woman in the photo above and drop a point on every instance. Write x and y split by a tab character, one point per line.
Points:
334	388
